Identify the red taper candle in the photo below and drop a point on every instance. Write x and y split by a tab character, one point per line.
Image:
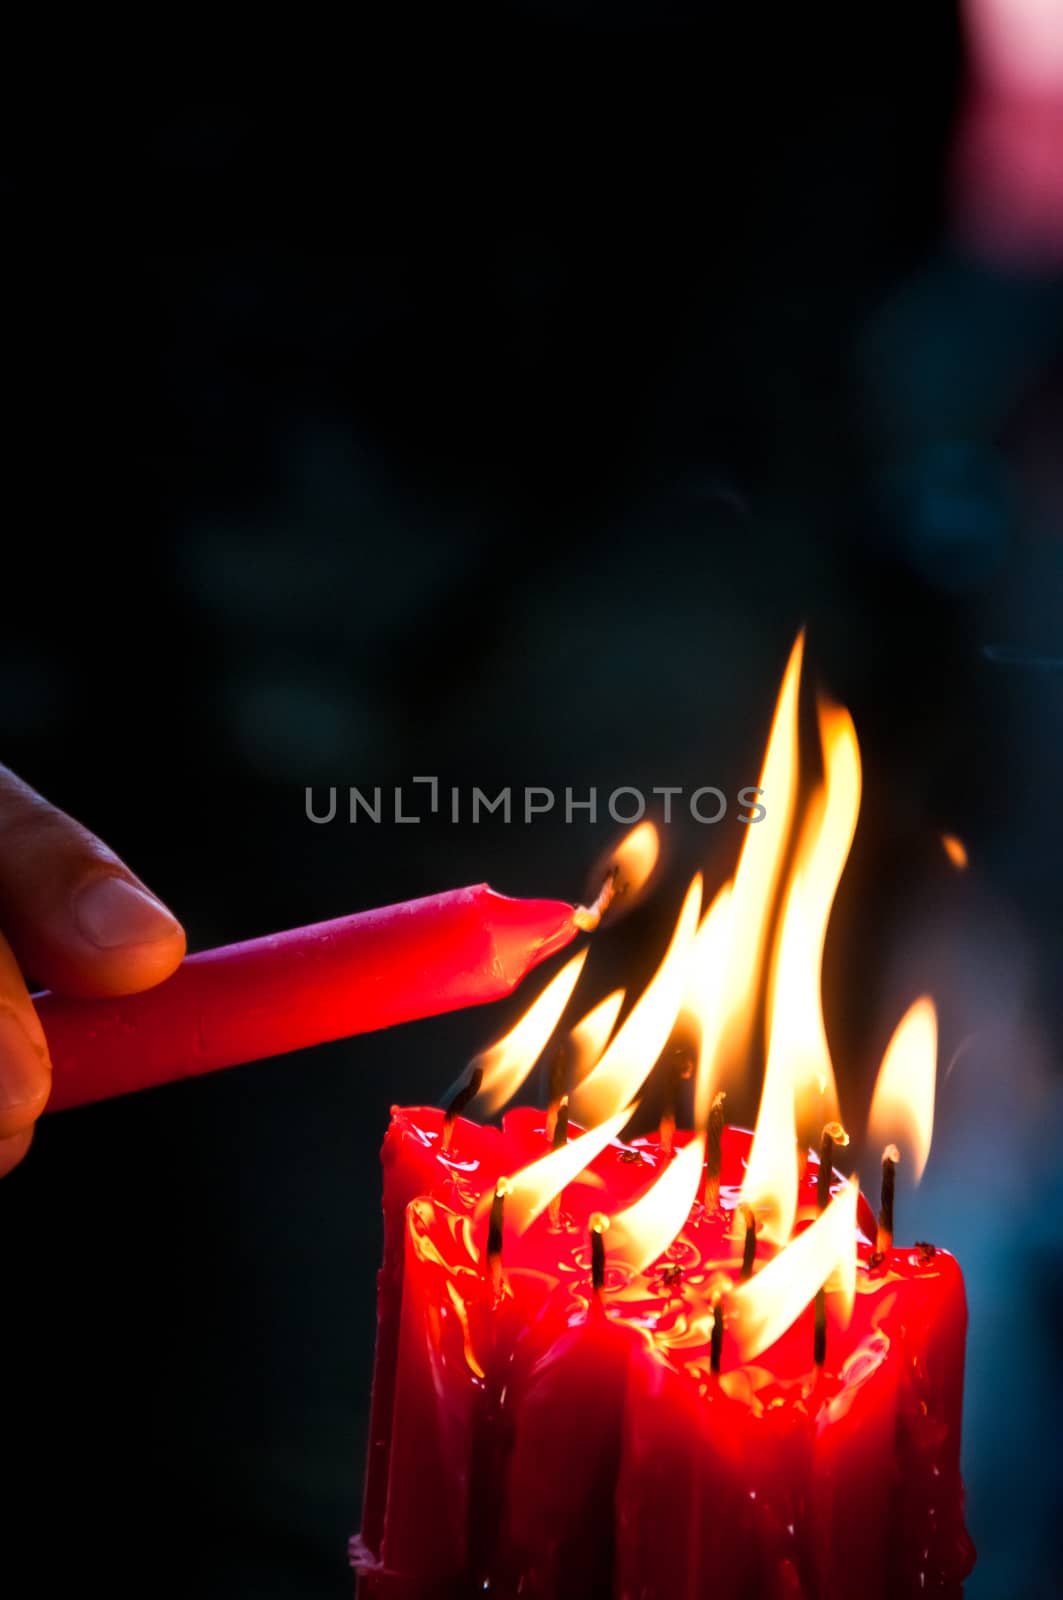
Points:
289	990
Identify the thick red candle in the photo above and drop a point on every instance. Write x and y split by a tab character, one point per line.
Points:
267	996
586	1437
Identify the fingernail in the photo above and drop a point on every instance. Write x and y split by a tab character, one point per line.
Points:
22	1071
111	912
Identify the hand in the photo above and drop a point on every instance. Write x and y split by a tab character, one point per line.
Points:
77	919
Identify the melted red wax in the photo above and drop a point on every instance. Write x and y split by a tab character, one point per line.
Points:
587	1443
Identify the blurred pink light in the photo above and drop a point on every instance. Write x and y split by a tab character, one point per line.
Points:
1007	175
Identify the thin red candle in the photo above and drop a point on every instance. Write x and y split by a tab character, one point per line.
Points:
289	990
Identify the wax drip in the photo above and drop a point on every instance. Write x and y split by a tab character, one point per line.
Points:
468	1091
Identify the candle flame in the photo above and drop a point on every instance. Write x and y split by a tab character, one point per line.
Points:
644	1230
955	849
588	1038
760	1311
799	1092
902	1106
823	850
508	1062
622	874
534	1186
770	1182
760	862
630	1057
703	1006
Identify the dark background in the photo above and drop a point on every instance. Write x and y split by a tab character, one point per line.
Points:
498	409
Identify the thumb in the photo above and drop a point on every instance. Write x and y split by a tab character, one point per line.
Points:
75	916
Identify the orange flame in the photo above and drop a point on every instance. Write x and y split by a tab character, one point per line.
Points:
955	849
507	1063
760	862
902	1106
588	1038
623	874
630	1057
645	1230
703	1004
760	1311
533	1188
822	853
770	1182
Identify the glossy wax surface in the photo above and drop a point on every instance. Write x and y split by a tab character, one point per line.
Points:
587	1447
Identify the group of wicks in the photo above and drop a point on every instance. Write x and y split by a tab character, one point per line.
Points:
833	1137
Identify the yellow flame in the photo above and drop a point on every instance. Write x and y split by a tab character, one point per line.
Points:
635	858
770	1182
760	1311
631	1056
644	1230
533	1188
623	873
703	1004
955	849
902	1106
761	860
588	1038
507	1063
822	853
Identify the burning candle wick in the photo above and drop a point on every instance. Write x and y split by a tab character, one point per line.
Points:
884	1241
557	1091
599	1223
819	1336
833	1134
714	1152
749	1247
560	1134
678	1068
468	1091
716	1348
587	918
494	1235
